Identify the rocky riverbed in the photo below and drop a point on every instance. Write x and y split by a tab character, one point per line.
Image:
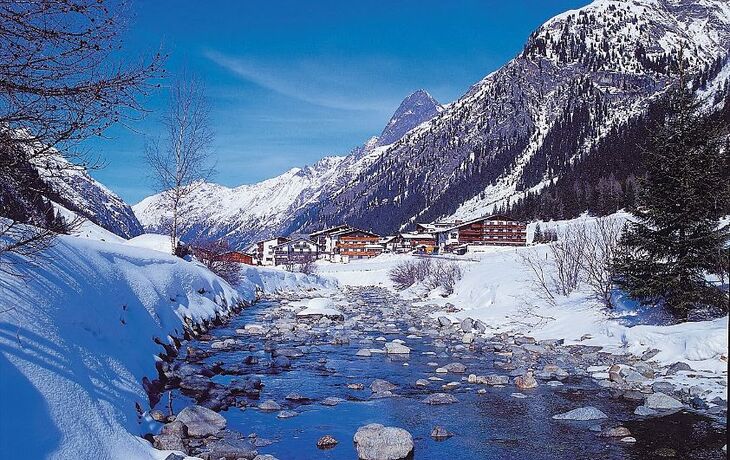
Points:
378	378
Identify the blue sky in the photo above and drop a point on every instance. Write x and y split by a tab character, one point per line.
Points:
293	81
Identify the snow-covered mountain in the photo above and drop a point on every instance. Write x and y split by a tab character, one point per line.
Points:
581	76
248	213
74	189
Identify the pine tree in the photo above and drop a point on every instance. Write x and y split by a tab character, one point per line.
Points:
676	239
537	236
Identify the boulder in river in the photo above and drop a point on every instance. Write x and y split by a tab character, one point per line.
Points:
269	405
582	413
171	437
456	368
380	385
395	348
326	442
436	399
201	421
526	381
378	442
440	433
662	401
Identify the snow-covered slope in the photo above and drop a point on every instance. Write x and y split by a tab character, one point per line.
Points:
77	191
76	339
279	205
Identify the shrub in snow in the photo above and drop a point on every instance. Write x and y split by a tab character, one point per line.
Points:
444	275
406	274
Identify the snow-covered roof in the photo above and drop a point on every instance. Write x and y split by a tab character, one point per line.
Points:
417	236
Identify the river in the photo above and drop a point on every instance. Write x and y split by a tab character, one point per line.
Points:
490	422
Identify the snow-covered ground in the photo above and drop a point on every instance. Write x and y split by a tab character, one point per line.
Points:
76	339
497	288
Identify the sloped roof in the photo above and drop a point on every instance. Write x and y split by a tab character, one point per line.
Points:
329	230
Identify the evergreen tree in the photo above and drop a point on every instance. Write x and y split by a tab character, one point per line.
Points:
537	236
676	240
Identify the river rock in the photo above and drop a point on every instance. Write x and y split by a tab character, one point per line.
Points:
644	411
394	348
526	381
467	324
221	449
201	421
444	321
440	433
662	401
171	437
455	368
440	398
326	442
678	367
380	385
615	432
582	413
269	405
493	379
378	442
364	352
287	414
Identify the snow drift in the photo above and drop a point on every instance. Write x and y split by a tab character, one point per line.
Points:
76	339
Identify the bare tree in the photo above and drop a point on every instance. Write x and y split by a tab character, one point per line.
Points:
58	82
566	259
59	85
539	268
599	245
217	256
180	160
583	254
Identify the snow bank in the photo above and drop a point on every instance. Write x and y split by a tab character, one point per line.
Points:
497	288
76	339
277	281
153	241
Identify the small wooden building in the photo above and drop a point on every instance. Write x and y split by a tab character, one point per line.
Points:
238	256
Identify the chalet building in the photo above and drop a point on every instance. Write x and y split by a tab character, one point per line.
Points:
493	230
239	257
354	243
325	238
418	241
264	253
297	251
390	243
435	227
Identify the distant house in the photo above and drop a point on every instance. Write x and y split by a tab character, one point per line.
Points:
264	253
496	230
354	243
237	256
296	251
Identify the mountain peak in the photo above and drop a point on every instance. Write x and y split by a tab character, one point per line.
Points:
418	107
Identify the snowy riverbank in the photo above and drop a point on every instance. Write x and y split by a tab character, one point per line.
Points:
496	288
76	339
